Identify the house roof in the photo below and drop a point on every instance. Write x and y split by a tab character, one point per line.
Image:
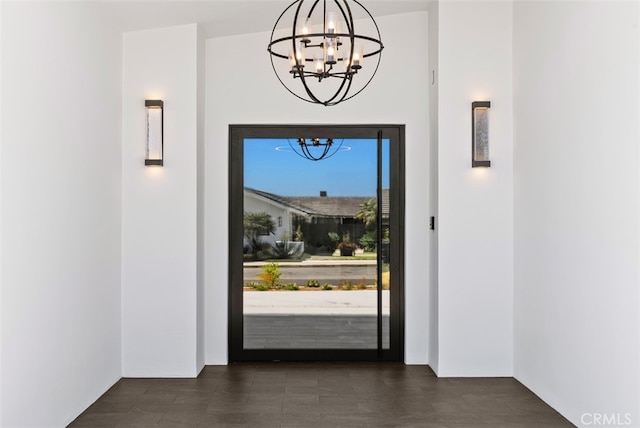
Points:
325	206
330	206
280	200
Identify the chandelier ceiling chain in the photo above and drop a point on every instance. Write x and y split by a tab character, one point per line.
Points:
323	53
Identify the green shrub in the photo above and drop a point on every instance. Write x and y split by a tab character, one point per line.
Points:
314	283
270	275
258	286
368	241
291	287
347	285
327	287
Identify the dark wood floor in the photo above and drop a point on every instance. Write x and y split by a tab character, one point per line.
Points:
334	395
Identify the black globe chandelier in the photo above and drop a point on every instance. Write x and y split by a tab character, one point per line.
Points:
316	149
318	56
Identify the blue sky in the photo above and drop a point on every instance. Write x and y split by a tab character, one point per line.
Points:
350	172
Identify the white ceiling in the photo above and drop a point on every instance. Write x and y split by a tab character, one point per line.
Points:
225	17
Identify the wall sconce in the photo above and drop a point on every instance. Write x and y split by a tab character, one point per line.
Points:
480	133
154	132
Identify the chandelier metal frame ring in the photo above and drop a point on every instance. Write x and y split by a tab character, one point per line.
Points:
332	64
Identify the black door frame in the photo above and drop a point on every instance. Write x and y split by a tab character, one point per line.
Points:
237	134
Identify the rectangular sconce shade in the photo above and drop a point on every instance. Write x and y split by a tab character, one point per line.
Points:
480	133
154	132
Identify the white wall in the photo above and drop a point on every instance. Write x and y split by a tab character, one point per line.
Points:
397	95
577	213
1	275
475	205
433	187
159	206
60	248
201	98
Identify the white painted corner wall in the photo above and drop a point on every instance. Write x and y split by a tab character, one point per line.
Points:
475	205
577	207
60	192
432	310
201	194
160	211
2	37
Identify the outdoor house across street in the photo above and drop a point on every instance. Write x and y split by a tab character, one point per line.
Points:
315	215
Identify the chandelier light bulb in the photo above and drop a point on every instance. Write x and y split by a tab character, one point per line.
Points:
357	57
331	55
305	33
319	64
331	23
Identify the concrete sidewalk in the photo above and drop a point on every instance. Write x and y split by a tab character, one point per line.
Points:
319	302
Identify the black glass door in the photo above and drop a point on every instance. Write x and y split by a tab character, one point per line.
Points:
316	243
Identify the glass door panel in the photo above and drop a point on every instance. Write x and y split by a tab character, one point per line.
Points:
310	265
314	276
